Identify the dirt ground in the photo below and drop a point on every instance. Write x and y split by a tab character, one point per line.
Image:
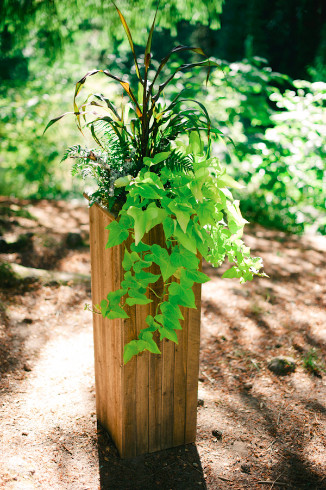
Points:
256	430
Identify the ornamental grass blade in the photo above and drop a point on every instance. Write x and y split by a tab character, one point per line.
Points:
183	67
109	104
60	117
177	49
125	86
208	121
147	59
78	88
126	28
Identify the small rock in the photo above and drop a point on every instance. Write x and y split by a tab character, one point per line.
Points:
247	386
28	321
24	433
282	365
246	468
27	368
200	402
217	433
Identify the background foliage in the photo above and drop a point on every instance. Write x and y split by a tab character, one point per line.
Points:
277	124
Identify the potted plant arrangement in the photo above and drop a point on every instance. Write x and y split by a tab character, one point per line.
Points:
166	203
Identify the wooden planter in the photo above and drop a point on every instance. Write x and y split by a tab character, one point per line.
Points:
150	403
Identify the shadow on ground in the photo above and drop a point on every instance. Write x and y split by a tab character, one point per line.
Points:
178	467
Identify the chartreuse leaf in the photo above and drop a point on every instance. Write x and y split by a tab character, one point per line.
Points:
133	348
152	345
197	276
127	261
196	189
145	278
144	221
168	227
154	216
104	307
129	281
158	158
139	222
188	277
137	298
181	296
141	264
207	214
173	311
227	181
141	247
235	220
111	308
171	324
166	333
161	257
185	280
154	179
148	191
232	273
122	181
182	213
125	221
196	145
117	312
152	324
114	297
117	234
186	239
181	257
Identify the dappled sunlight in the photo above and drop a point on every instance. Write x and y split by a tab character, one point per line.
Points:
267	424
275	419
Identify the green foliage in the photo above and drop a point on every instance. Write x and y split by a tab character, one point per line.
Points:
185	237
279	152
152	169
312	363
146	126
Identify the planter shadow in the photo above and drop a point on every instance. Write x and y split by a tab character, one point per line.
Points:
178	467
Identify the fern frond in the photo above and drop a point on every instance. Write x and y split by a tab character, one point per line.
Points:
179	162
70	152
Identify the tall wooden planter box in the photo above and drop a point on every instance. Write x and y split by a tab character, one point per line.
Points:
150	403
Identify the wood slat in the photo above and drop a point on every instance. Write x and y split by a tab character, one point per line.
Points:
180	373
193	345
106	338
155	361
168	379
150	403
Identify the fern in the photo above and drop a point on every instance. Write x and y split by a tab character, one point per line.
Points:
179	162
117	148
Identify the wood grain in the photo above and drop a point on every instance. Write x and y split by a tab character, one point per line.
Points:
150	403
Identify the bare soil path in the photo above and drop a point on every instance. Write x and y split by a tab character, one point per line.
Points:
255	429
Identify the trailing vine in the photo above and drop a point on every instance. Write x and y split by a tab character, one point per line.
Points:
148	176
199	217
